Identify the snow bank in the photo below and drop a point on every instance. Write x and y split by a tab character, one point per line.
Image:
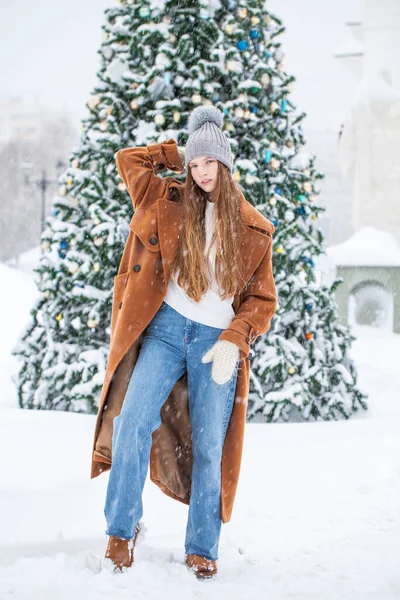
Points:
369	247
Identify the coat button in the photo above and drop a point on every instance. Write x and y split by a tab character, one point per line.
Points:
137	268
120	305
153	241
160	166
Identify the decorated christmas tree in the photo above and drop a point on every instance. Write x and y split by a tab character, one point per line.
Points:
156	66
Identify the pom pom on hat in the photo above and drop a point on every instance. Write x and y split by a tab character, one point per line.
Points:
204	114
206	137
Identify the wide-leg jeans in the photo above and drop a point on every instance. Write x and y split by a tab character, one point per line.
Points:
172	345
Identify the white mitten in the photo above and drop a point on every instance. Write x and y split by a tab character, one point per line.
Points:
224	355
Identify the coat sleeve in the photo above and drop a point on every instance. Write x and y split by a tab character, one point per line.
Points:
257	308
138	168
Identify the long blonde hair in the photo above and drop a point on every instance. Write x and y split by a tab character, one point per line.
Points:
190	263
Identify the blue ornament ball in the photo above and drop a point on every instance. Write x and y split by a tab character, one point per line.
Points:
274	222
254	109
267	156
231	4
254	33
242	45
279	191
64	244
62	254
309	306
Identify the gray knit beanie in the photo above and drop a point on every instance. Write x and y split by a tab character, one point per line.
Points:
206	137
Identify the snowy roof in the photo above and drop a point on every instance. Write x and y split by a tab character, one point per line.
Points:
369	247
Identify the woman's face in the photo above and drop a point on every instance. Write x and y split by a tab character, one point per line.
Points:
205	172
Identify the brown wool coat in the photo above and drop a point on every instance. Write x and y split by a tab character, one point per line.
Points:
139	289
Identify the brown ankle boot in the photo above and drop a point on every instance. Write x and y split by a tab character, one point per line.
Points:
202	567
120	551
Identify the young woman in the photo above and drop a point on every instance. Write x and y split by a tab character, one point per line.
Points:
193	291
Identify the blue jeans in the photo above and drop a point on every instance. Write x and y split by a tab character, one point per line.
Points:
172	345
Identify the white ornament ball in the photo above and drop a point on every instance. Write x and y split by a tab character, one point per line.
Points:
272	201
103	125
92	323
134	105
75	163
265	79
230	28
243	97
72	241
274	106
46	293
98	241
255	20
289	216
196	99
247	115
275	163
74	201
96	267
45	245
249	179
307	186
233	66
176	116
159	119
62	190
122	186
239	112
73	267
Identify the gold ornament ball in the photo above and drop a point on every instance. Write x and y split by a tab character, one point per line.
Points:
307	186
159	119
59	317
230	28
236	176
72	241
134	105
62	190
255	20
45	245
172	39
314	217
176	116
274	163
229	127
207	101
96	267
122	186
291	370
98	241
109	110
247	115
274	106
103	125
279	250
196	99
70	181
242	12
75	163
93	101
134	85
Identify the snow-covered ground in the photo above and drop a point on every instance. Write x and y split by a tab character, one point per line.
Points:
316	515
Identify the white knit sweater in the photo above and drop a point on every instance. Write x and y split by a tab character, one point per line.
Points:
211	310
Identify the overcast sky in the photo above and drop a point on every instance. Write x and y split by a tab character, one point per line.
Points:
49	50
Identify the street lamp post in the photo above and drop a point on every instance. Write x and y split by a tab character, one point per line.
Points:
42	184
